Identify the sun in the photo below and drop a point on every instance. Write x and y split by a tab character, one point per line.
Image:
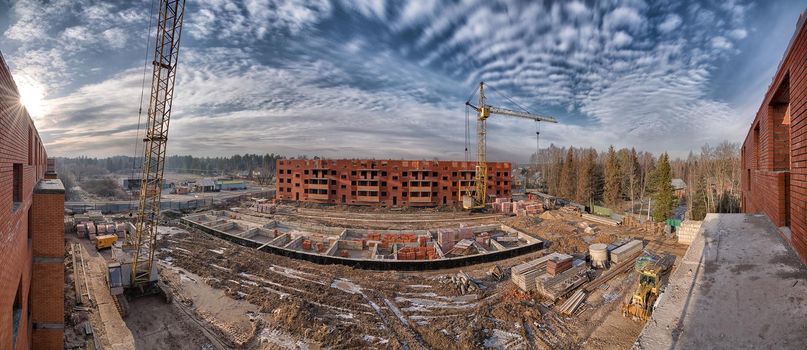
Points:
32	96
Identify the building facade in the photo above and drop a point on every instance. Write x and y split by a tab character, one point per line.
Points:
31	231
387	183
774	154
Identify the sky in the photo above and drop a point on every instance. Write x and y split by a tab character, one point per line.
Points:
389	79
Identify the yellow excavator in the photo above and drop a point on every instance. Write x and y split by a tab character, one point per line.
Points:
653	271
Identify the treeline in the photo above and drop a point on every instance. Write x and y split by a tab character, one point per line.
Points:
624	179
713	176
187	164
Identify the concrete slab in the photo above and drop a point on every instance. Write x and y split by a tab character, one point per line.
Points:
739	286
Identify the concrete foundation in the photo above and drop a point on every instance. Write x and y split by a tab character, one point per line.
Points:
739	286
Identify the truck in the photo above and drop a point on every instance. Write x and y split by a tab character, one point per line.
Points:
653	271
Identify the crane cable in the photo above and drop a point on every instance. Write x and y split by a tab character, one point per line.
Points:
467	133
142	89
507	98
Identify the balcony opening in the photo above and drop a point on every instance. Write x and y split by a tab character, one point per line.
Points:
780	139
16	315
16	196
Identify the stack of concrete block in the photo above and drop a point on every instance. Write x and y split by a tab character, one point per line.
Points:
267	208
445	237
507	207
688	231
525	275
626	251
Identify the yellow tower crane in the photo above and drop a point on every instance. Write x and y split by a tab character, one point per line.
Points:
135	272
478	200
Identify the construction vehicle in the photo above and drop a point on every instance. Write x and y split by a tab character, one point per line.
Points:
135	272
105	241
653	272
477	199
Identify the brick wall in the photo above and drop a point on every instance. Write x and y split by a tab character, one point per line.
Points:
47	282
774	154
19	144
389	183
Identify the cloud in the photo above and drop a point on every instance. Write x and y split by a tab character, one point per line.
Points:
251	20
389	79
623	17
622	39
576	9
738	34
722	43
368	8
671	22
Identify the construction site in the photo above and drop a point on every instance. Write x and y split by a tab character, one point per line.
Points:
231	291
371	253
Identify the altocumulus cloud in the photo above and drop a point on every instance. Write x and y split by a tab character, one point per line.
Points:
385	78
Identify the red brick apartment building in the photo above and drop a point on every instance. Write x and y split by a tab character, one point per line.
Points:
31	231
386	183
774	154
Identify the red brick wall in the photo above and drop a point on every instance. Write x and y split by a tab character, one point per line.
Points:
18	138
47	283
393	180
776	182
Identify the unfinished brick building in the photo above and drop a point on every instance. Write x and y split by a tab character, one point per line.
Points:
387	183
774	154
31	231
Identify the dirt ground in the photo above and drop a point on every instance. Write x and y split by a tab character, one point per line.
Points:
229	296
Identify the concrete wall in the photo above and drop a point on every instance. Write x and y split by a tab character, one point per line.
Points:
417	265
393	181
774	154
19	144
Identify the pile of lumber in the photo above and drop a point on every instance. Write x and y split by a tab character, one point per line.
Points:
558	286
601	220
570	305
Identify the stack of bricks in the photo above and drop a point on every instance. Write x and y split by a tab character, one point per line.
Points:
557	265
447	238
387	240
520	208
417	253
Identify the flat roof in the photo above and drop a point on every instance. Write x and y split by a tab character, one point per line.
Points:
740	285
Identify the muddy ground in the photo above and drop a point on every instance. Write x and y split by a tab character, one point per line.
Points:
229	296
341	307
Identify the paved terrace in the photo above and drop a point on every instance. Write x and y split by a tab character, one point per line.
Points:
739	286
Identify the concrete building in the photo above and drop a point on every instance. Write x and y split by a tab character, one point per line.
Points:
389	183
774	154
31	231
231	185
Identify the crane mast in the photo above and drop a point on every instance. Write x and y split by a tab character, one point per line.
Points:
483	112
166	55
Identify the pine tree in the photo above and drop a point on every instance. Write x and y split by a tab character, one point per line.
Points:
568	180
586	177
663	199
698	210
613	180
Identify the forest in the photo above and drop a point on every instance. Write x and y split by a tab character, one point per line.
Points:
625	178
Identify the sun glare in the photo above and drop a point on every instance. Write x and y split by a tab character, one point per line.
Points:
32	96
